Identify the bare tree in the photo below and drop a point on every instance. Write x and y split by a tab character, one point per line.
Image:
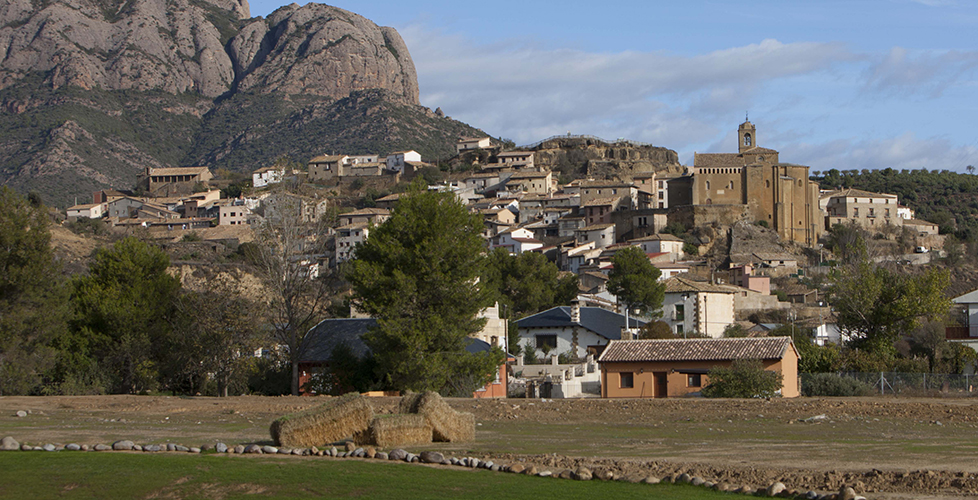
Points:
215	331
290	242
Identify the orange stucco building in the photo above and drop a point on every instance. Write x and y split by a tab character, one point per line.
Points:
675	368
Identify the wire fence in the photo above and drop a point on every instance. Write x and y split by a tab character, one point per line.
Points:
909	384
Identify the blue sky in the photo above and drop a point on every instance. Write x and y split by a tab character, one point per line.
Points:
831	84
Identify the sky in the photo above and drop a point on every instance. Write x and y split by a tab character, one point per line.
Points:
855	84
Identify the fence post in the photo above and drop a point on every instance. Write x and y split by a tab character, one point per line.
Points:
882	388
925	382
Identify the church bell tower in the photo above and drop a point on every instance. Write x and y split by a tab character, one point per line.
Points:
747	136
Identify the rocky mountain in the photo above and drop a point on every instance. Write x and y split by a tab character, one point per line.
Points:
94	91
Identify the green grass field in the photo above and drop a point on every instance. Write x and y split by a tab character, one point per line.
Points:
80	475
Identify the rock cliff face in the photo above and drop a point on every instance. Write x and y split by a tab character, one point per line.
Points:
590	157
202	46
94	91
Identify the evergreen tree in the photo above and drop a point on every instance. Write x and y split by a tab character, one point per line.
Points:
635	281
32	295
527	283
124	307
418	275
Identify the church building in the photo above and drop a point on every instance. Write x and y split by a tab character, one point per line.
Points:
755	181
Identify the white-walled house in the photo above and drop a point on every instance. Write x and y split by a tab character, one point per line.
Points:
398	159
268	175
347	239
660	243
603	235
90	211
467	143
574	329
694	306
233	213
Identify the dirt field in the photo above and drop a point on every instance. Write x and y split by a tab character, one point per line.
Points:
886	448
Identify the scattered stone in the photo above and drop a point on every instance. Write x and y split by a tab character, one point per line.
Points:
811	495
350	446
271	450
432	457
206	447
409	457
651	480
381	455
21	413
494	468
239	449
333	451
9	444
314	450
708	484
566	474
171	447
123	445
684	478
303	452
73	447
181	448
285	451
396	454
84	447
49	447
545	473
846	493
487	465
252	448
370	452
604	475
474	463
102	447
137	447
531	471
152	448
697	481
415	459
516	468
194	449
775	488
37	448
221	448
582	474
341	454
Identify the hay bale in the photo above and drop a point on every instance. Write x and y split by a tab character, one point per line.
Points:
447	424
339	418
409	403
391	431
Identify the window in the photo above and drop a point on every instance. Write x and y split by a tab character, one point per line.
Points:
694	380
707	185
546	341
855	212
680	312
626	380
679	329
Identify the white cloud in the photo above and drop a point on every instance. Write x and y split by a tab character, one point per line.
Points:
907	72
527	92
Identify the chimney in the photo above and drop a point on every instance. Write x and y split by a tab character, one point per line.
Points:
575	312
626	333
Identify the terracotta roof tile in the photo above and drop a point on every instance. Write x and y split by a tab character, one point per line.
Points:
626	351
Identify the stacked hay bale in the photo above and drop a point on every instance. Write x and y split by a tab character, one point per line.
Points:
389	431
420	419
343	417
448	425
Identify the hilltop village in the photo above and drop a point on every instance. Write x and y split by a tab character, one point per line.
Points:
738	238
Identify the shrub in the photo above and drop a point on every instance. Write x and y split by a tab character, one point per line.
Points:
745	378
191	237
830	384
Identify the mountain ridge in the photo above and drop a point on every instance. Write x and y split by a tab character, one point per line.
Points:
94	91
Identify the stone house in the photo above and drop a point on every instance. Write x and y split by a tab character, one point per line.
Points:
603	235
397	161
872	211
267	175
468	143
